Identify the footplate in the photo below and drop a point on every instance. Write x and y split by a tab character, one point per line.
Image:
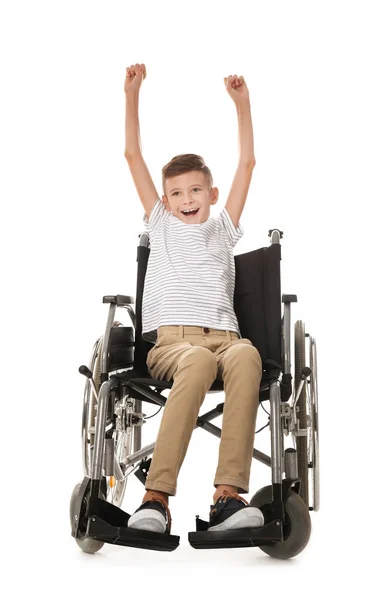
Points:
108	523
126	536
201	539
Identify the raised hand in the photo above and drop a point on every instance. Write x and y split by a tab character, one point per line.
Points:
237	88
134	77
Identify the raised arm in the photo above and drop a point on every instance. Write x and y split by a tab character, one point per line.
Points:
237	89
133	152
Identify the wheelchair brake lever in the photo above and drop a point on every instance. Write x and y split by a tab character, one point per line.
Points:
306	372
88	374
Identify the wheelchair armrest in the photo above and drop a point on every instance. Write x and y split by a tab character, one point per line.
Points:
118	300
286	298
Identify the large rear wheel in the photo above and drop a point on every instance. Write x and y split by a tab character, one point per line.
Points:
123	440
313	450
112	486
301	409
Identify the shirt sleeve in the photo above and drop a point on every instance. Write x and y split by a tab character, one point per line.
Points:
156	217
234	233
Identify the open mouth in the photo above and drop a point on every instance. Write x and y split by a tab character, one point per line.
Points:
192	213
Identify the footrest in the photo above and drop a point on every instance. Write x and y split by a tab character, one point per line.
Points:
126	536
236	538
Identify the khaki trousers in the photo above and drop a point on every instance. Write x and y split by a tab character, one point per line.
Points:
194	357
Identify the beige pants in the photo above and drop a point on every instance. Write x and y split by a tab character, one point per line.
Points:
194	357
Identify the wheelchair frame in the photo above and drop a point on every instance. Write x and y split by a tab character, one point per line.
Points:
106	522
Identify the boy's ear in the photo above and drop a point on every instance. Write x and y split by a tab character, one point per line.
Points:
214	195
165	202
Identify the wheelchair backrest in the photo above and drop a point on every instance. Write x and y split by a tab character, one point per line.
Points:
257	303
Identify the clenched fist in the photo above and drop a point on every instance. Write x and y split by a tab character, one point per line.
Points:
134	77
236	88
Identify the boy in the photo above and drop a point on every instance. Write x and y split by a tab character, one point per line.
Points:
188	311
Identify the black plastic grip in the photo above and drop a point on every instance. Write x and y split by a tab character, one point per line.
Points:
119	300
306	371
85	371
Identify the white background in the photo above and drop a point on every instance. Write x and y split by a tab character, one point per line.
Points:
318	77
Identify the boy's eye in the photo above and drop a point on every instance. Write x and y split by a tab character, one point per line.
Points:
174	193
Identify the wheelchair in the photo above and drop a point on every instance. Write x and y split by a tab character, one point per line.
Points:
118	381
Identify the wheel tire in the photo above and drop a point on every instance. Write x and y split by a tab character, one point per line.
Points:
297	526
88	545
314	452
88	418
90	406
301	440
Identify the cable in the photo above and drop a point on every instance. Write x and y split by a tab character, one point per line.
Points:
261	428
267	424
150	416
261	404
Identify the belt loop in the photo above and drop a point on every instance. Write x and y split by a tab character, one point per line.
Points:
229	335
181	331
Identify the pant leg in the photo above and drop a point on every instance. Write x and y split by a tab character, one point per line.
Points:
193	369
240	366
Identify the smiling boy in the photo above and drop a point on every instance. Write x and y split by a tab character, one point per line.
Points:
187	312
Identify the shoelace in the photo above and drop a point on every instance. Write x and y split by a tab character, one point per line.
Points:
154	496
227	495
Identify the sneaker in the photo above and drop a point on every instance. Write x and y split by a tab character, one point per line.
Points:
153	514
231	511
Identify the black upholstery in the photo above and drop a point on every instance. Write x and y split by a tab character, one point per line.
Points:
258	304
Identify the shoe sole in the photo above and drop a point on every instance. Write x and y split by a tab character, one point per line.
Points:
246	517
148	519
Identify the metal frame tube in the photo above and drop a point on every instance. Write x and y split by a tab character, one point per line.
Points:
286	339
127	464
110	321
260	456
97	455
275	426
137	433
296	397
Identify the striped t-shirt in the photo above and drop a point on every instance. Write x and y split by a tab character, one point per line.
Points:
190	276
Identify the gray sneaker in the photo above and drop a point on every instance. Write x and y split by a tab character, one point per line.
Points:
231	511
152	515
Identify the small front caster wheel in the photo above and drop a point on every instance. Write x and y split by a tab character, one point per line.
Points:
88	545
297	526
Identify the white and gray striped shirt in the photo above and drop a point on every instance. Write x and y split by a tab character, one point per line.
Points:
191	272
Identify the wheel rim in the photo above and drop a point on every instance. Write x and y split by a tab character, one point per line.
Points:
123	441
314	429
89	407
301	440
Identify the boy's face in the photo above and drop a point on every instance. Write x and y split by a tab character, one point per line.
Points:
189	191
